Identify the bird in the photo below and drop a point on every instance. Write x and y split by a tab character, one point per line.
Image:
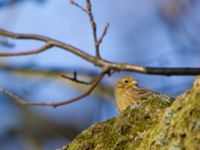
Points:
127	92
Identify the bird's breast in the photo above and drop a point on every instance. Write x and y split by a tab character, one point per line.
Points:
124	99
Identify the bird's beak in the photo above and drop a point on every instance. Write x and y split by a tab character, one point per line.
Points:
134	82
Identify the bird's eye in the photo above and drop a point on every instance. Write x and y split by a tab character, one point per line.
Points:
125	81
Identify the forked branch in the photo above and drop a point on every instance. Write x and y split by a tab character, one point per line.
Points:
88	11
23	102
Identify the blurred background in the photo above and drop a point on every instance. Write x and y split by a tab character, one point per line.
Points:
159	33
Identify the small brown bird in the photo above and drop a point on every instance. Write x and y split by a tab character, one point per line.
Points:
128	93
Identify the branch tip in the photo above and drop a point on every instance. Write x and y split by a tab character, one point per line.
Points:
103	34
78	6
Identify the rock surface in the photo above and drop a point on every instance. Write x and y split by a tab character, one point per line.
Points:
152	126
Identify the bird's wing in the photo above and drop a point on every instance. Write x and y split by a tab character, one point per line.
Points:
146	93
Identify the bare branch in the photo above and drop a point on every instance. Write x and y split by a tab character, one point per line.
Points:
54	42
78	6
20	101
93	25
102	62
36	51
103	34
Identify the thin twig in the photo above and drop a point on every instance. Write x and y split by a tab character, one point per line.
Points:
94	27
103	34
78	6
15	98
75	79
20	101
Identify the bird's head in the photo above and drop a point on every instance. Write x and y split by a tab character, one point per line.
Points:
127	82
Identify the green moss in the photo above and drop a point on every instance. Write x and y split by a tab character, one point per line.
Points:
179	127
154	125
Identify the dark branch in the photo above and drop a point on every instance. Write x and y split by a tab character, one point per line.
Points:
75	79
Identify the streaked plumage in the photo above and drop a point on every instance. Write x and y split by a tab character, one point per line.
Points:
127	93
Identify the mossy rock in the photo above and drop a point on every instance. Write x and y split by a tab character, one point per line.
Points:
152	126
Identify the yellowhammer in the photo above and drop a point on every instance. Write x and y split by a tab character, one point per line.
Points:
128	93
